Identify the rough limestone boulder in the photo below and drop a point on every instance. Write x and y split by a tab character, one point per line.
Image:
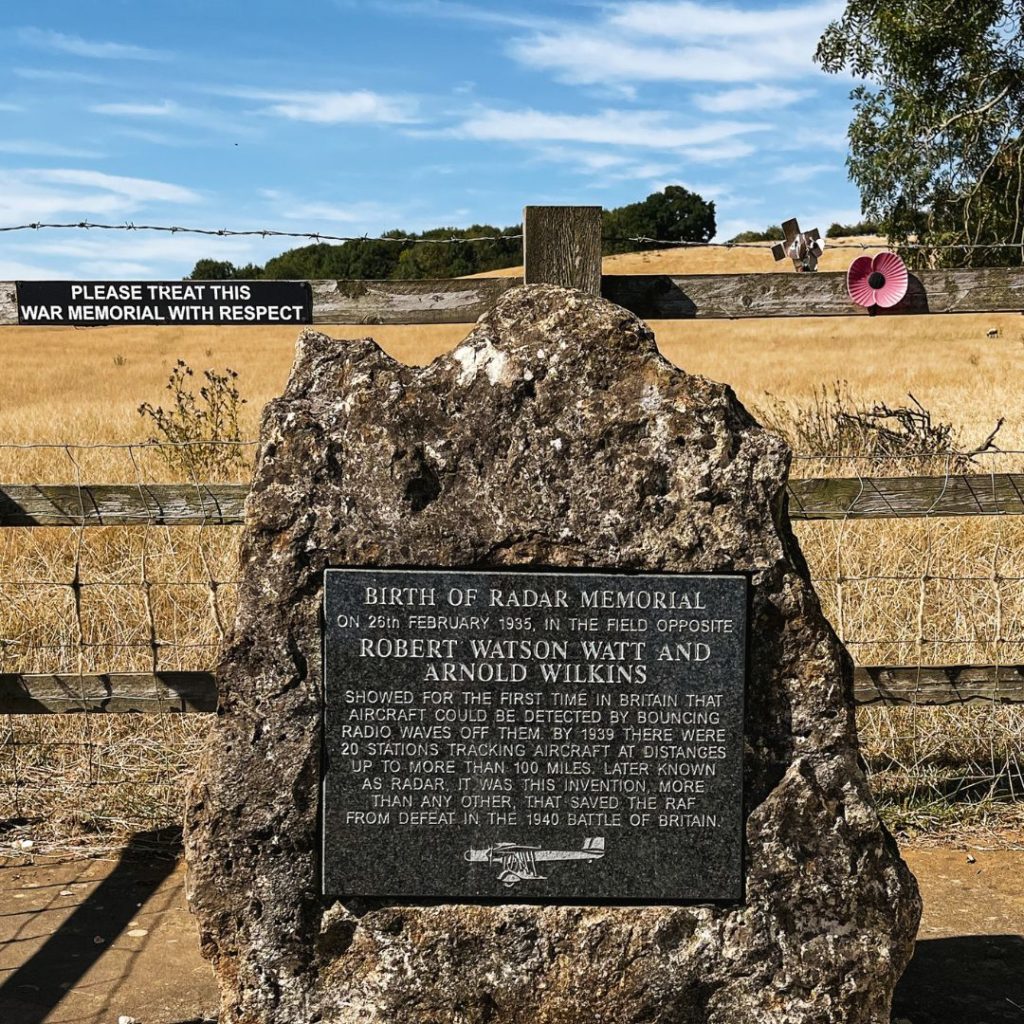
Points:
555	435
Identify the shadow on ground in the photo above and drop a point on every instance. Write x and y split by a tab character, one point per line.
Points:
31	992
83	942
969	979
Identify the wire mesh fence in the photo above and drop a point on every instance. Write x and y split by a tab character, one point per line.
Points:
912	591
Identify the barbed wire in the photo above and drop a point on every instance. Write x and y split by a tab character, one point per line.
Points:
123	583
320	236
316	236
829	244
249	441
245	442
121	445
905	456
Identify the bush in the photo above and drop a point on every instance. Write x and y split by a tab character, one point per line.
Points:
199	437
833	426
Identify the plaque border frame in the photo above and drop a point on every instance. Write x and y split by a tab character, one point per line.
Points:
370	901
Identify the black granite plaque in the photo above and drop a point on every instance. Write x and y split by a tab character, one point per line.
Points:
532	736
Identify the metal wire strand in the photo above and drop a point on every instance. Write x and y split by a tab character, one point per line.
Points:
320	236
315	236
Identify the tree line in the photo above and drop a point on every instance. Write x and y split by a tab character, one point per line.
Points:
774	232
672	215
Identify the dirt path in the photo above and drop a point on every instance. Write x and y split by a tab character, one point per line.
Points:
88	941
968	967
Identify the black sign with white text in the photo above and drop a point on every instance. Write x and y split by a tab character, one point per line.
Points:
160	303
533	736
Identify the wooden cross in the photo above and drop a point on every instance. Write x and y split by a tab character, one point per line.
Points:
803	248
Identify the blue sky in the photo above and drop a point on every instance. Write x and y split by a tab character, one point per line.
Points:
355	116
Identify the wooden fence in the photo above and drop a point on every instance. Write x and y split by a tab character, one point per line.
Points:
562	245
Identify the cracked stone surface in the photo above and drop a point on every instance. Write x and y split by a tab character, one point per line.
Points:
555	435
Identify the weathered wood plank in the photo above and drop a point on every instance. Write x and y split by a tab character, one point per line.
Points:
895	497
121	504
8	302
733	296
456	301
955	684
562	245
124	692
223	504
185	692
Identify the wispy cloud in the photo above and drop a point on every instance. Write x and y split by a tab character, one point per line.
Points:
604	165
796	174
756	97
722	153
828	133
453	11
18	270
359	106
44	193
289	206
645	128
10	108
79	255
92	48
132	189
680	41
35	147
687	19
608	168
163	109
52	75
184	140
224	123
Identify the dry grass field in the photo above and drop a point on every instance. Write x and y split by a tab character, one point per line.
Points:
749	258
912	592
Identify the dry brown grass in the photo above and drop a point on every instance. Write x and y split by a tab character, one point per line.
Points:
911	592
66	384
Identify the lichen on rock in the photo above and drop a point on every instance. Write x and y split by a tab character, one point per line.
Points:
555	435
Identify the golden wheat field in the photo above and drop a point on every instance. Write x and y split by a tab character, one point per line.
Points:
943	591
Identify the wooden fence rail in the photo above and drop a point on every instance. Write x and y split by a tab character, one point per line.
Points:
651	296
188	692
121	504
995	494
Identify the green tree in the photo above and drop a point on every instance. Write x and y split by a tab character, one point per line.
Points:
935	141
772	233
223	270
445	258
864	227
440	258
675	215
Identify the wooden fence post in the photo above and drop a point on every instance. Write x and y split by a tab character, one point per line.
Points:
562	245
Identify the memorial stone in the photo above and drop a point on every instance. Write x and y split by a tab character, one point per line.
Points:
554	454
